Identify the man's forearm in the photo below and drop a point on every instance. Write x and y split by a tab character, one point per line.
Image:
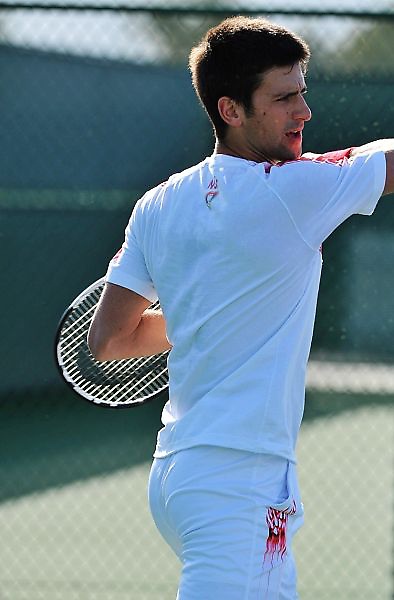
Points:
121	328
147	339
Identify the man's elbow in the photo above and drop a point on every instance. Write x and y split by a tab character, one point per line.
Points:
99	347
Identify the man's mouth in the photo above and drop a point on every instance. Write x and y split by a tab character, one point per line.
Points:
295	134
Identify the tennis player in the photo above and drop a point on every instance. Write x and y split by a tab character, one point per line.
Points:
232	248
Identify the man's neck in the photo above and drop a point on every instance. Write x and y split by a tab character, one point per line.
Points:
226	147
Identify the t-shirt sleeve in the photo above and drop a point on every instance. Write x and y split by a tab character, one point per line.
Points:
128	267
319	194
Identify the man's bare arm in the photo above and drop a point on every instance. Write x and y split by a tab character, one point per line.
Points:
122	327
386	146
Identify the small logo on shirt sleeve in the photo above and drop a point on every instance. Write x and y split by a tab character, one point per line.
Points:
116	259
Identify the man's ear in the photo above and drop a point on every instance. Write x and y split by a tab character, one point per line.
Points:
230	111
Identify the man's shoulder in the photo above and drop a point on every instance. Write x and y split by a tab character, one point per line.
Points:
155	194
333	157
310	161
336	157
187	174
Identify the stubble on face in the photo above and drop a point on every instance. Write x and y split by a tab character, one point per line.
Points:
272	128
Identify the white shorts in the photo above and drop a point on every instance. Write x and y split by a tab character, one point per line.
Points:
230	517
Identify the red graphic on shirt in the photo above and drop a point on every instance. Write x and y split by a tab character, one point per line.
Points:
277	527
334	157
212	191
117	256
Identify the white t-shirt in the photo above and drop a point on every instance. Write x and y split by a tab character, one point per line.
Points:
232	248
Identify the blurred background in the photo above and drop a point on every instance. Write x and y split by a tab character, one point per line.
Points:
96	107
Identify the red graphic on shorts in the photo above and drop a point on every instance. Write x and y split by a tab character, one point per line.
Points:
277	525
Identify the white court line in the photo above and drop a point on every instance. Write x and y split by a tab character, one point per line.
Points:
350	377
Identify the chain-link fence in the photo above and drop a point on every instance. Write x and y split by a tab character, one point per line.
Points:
96	107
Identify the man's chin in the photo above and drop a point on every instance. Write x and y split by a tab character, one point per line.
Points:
284	153
294	154
288	157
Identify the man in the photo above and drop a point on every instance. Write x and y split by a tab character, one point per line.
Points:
231	247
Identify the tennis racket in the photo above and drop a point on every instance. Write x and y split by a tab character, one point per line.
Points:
115	383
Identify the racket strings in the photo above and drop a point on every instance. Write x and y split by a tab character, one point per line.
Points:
68	353
113	383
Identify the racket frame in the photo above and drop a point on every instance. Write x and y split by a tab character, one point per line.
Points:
90	398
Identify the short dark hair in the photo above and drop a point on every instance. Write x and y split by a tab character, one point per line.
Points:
232	57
